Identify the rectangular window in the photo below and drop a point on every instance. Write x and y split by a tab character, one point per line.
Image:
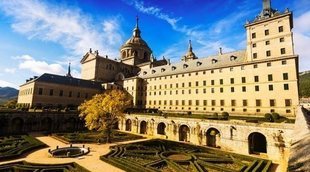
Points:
204	83
232	80
51	92
258	102
286	87
205	102
242	67
212	90
268	64
204	90
256	78
245	102
268	53
189	102
255	66
282	50
267	42
280	28
243	89
254	55
197	102
170	102
221	90
253	35
212	82
61	93
177	102
197	83
189	84
231	69
266	32
232	89
40	91
243	80
282	39
222	103
212	71
272	102
256	88
165	102
288	102
283	62
221	81
197	91
270	77
285	76
213	102
183	102
270	87
254	45
233	102
183	84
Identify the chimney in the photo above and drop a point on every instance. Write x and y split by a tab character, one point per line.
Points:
220	51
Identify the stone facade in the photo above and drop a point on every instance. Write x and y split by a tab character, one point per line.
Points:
266	140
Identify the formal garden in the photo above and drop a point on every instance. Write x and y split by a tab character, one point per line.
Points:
169	156
23	166
95	137
18	145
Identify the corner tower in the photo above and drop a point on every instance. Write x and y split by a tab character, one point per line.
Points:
270	34
135	51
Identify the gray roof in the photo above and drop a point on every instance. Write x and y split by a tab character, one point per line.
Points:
210	62
68	81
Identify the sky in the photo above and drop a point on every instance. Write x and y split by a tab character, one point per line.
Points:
43	36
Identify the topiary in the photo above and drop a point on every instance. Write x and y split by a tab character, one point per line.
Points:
269	117
225	115
275	116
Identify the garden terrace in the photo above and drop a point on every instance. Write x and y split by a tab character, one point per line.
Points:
15	146
24	166
162	155
94	137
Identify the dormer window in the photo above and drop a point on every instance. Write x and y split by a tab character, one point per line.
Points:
163	69
144	73
214	61
153	71
173	67
185	66
233	58
198	63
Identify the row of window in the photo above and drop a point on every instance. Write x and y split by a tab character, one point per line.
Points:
25	92
268	42
268	64
221	90
268	53
61	93
244	103
280	29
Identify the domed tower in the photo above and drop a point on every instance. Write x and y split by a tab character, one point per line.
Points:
190	55
135	51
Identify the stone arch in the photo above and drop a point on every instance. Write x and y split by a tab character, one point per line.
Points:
119	77
46	124
257	143
161	128
143	127
184	133
212	137
17	125
128	125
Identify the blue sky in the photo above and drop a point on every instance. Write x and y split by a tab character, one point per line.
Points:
44	36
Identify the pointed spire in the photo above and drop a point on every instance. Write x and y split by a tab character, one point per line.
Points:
190	48
136	31
69	70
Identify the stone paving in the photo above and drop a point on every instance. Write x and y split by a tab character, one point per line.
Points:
90	161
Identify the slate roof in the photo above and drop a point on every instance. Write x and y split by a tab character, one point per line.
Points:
214	61
68	81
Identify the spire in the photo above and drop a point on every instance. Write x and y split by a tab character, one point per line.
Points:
190	48
266	4
267	11
136	31
69	70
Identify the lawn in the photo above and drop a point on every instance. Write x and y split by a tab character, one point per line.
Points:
94	137
169	156
15	146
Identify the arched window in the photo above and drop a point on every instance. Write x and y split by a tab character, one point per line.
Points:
257	143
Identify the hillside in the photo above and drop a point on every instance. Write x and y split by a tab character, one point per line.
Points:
304	85
7	93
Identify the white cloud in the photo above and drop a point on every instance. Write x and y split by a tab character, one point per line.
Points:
302	40
75	31
7	84
10	70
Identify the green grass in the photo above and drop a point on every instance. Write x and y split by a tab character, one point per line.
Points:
162	155
94	136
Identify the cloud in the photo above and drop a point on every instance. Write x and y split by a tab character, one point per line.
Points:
7	84
75	31
302	40
10	70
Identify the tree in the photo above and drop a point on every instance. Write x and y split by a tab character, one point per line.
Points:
103	111
11	103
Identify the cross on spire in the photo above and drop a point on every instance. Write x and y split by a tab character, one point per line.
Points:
137	21
69	70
